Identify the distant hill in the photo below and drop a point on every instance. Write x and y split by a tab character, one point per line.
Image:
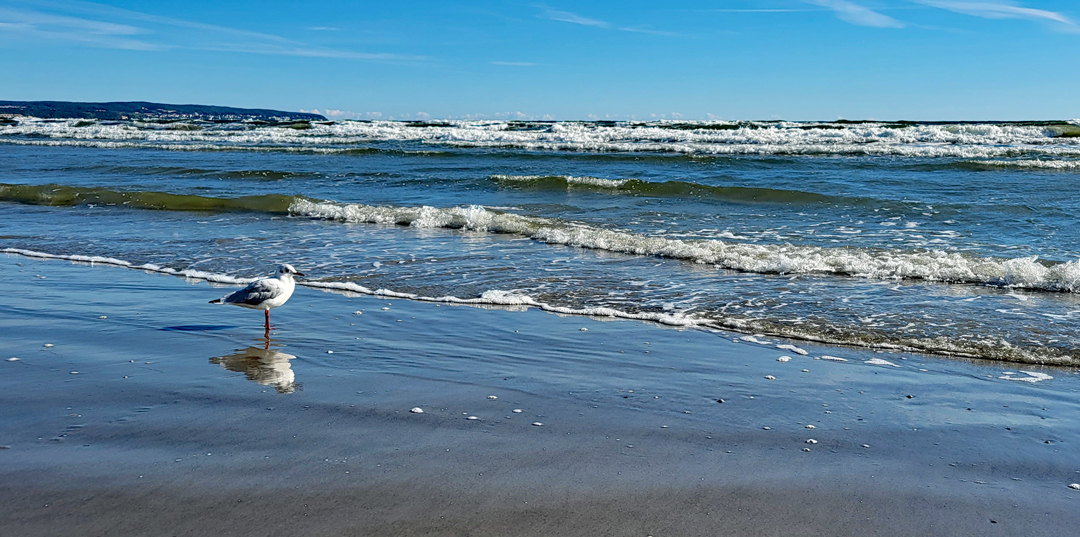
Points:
144	110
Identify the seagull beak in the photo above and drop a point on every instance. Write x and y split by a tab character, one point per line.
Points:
299	273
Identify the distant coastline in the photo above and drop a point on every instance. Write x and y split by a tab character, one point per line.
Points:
146	111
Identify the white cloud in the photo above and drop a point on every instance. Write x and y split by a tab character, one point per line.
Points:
573	18
857	14
757	10
641	30
80	22
343	114
33	24
999	10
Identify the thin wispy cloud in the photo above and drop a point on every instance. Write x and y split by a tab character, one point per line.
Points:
574	18
778	10
998	10
857	14
641	30
29	24
103	26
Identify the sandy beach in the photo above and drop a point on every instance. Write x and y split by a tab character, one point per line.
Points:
130	406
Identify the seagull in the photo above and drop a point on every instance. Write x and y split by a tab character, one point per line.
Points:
266	293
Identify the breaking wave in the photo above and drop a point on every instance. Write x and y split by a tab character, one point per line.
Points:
1029	164
884	264
956	140
675	188
784	259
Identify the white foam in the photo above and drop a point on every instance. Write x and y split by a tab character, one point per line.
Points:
935	265
1032	376
514	300
509	298
754	339
879	361
701	138
99	260
570	180
792	348
1032	164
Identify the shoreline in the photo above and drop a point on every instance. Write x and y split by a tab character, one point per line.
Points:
127	424
513	302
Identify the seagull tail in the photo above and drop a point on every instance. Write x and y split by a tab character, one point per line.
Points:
218	301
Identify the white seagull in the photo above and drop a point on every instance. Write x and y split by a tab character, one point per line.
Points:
266	293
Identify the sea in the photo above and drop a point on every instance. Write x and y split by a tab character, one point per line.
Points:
957	239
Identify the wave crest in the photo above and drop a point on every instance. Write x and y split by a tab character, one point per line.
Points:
883	264
957	140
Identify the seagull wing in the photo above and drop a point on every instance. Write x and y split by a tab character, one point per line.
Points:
255	293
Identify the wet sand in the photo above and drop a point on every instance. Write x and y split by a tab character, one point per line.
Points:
170	416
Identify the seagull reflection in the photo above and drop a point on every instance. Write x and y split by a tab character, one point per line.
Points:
266	366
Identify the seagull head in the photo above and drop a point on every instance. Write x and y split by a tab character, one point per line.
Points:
286	269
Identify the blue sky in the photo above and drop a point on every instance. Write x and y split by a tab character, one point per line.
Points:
748	59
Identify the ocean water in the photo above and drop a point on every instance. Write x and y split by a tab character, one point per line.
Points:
957	239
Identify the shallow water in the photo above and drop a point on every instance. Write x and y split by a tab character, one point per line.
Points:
946	238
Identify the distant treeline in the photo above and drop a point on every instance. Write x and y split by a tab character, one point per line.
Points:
144	110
